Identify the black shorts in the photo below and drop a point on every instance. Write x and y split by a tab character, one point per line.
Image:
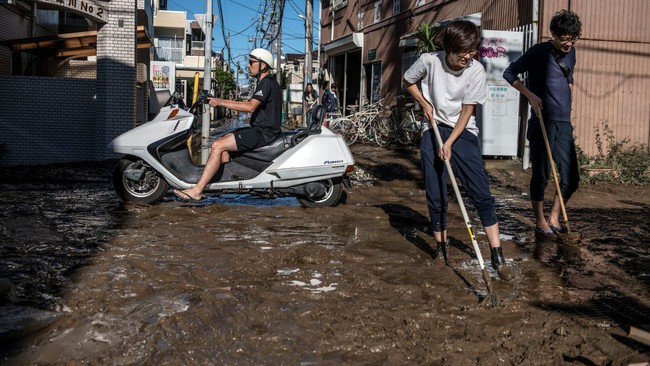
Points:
249	139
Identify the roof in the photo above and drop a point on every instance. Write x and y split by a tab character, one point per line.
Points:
74	44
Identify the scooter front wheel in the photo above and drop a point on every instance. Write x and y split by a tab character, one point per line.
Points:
135	181
333	192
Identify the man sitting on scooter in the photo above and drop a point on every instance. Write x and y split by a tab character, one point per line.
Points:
266	118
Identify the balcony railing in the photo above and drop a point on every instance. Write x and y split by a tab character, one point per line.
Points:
170	54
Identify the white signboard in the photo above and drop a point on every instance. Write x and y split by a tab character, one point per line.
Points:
163	75
498	119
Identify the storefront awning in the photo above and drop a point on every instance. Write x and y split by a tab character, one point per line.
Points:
75	44
346	43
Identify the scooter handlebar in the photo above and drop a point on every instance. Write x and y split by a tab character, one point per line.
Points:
201	99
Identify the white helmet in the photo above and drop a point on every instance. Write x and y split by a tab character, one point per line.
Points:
262	55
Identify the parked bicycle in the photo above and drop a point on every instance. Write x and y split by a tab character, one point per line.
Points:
409	122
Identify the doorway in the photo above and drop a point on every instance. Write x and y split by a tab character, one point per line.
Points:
346	74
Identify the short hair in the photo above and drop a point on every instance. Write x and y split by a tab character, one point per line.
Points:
566	22
460	35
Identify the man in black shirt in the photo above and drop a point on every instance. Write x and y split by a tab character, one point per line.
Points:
266	109
549	91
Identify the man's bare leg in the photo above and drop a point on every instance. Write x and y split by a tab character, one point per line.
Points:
538	211
554	217
219	147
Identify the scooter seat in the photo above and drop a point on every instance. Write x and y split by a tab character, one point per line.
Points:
271	151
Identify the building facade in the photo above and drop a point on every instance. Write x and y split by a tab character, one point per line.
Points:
182	41
368	44
72	73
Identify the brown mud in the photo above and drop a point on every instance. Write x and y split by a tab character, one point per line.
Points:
244	281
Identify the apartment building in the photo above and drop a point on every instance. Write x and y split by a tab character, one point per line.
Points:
73	77
181	41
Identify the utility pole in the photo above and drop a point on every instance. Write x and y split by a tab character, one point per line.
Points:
278	68
320	67
309	38
308	47
207	81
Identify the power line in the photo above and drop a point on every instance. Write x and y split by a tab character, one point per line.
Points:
223	32
182	7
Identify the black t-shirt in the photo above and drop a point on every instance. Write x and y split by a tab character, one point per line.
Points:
546	79
267	118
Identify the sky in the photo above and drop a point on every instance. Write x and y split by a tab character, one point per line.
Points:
238	18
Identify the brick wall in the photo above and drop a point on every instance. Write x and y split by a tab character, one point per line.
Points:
116	74
14	26
47	120
77	69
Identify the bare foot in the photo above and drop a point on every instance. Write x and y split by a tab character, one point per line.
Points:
186	195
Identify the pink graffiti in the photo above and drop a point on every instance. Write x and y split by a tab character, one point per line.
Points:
491	52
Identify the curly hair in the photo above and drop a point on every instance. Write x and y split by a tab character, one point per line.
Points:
459	36
566	23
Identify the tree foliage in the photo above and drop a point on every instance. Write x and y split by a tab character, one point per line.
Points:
225	82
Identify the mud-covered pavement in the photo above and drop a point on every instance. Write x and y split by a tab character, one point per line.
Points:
242	281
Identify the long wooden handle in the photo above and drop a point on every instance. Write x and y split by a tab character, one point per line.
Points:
557	181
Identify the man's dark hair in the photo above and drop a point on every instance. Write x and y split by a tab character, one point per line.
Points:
459	36
566	23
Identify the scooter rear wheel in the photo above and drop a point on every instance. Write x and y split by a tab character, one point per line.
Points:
333	192
148	189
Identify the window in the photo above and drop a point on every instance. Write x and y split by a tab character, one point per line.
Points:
377	11
170	49
396	7
375	82
408	59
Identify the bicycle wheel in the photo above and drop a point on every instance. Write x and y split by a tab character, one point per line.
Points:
382	131
346	128
404	127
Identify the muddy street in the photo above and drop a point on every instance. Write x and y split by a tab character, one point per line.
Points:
239	280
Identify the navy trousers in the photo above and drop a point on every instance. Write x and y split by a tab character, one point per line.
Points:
560	139
467	163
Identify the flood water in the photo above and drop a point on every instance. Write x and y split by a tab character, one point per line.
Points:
242	280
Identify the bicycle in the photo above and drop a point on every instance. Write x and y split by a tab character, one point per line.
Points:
409	126
345	127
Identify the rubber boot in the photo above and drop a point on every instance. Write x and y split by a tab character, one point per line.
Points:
499	264
442	247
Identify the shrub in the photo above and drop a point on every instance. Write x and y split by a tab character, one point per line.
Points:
630	161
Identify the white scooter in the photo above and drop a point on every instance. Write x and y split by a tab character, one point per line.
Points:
310	164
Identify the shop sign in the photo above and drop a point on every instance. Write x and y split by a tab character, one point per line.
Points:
90	9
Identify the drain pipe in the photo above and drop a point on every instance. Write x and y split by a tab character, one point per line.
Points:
525	161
